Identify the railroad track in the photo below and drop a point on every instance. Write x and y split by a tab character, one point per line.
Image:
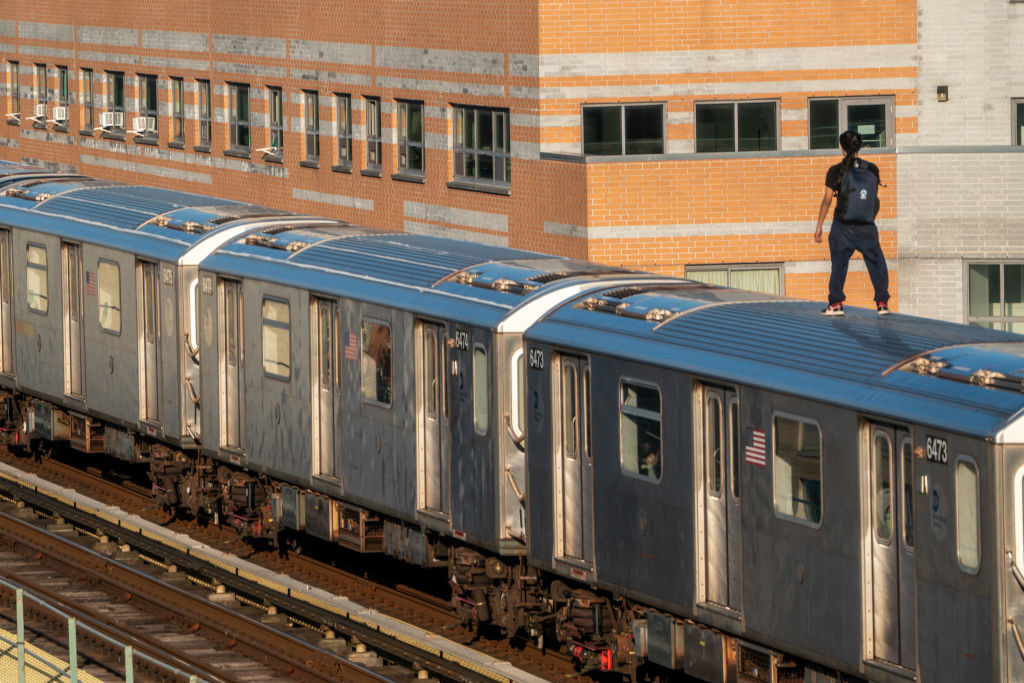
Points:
396	596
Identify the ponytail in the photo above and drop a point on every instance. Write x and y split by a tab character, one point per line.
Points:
851	142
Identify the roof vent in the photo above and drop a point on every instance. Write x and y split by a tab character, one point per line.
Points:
926	366
466	277
658	314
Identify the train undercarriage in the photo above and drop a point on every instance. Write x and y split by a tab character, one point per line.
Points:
502	596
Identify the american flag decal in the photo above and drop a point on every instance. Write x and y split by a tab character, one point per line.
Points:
755	451
90	283
352	348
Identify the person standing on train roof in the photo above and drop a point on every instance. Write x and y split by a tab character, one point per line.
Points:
854	182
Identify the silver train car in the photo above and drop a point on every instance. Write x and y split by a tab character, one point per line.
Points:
664	478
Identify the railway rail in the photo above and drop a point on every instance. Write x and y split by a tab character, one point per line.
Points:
311	612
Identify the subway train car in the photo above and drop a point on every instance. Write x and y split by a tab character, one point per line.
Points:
666	479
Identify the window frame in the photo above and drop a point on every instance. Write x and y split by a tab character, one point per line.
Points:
821	470
177	132
373	134
115	93
736	104
44	267
468	152
239	128
286	326
972	464
343	131
517	393
364	328
642	413
88	100
1017	119
13	92
731	268
63	98
149	105
407	146
311	127
481	399
275	125
204	115
623	140
843	119
42	95
99	296
996	322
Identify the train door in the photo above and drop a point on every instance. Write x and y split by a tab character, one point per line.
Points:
326	393
6	311
574	466
722	543
232	382
149	357
74	351
434	461
893	626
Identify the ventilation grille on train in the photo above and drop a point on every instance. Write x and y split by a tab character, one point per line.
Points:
936	367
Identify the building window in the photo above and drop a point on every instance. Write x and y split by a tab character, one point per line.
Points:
41	95
63	99
275	120
343	118
205	121
410	137
36	285
277	339
869	116
482	145
148	96
88	109
108	295
238	116
640	430
178	111
373	133
1018	121
754	278
796	469
968	536
311	125
376	363
624	129
115	94
14	92
481	390
737	126
995	295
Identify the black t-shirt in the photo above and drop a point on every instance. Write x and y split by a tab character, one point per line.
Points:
834	177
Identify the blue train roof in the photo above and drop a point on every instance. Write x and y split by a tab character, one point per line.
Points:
902	367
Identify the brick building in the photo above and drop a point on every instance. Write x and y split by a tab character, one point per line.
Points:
688	138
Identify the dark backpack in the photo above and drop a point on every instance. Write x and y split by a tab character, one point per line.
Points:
860	188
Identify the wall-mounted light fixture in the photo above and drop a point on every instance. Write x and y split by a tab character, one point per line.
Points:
942	92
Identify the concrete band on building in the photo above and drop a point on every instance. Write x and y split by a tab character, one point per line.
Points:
643	134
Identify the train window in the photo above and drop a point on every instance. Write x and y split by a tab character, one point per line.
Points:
38	300
967	512
734	436
108	294
1018	520
796	468
518	392
640	430
713	443
481	390
376	362
907	453
570	410
882	483
277	339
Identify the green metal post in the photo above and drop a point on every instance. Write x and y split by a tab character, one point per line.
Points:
19	595
129	668
72	651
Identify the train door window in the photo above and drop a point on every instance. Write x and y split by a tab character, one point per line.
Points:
640	430
713	444
796	469
38	300
6	313
517	391
276	339
1018	520
967	512
481	390
376	363
108	290
570	410
907	453
734	436
882	491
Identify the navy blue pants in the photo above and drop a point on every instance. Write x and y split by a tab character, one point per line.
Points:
843	240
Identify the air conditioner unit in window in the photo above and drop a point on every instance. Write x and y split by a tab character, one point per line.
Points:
40	112
111	119
60	115
143	125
